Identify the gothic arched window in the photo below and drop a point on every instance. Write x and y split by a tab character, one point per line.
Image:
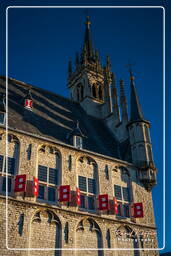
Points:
8	172
46	225
88	230
49	161
100	93
94	91
87	182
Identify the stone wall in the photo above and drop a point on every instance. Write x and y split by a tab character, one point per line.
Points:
40	224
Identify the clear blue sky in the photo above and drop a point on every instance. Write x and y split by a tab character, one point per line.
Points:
41	41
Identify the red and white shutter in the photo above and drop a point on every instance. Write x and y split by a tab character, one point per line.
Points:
115	205
20	183
28	103
35	187
103	202
138	211
78	196
64	193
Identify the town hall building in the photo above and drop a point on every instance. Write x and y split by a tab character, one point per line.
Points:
76	175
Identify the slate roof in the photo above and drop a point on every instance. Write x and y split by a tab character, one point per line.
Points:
54	117
136	111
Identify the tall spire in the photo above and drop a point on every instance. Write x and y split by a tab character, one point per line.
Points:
107	91
123	102
136	111
87	39
115	106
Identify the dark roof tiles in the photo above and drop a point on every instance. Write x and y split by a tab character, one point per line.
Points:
54	117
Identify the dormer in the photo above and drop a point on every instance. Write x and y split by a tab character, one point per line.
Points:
76	137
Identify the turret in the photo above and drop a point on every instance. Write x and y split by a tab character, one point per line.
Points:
140	140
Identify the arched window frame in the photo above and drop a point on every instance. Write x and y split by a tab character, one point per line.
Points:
88	187
123	193
100	92
48	177
7	174
94	91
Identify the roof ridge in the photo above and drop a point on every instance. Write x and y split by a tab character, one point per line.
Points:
42	89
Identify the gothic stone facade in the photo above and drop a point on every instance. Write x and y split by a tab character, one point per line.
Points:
105	153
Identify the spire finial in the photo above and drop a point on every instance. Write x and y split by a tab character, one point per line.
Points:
87	22
129	66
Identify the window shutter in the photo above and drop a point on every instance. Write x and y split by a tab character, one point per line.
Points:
82	201
11	165
115	205
28	103
20	183
126	210
103	202
36	186
126	195
138	210
51	194
53	176
120	210
118	193
91	186
82	183
78	199
64	193
42	173
91	202
1	163
41	192
4	184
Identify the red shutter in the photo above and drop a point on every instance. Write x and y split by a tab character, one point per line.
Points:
20	183
115	205
28	103
78	197
103	202
64	193
36	187
138	210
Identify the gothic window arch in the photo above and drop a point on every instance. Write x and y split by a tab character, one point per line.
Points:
94	91
48	172
80	92
123	193
45	222
100	92
88	230
87	182
127	238
8	171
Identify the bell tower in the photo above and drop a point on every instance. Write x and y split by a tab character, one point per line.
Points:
89	82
